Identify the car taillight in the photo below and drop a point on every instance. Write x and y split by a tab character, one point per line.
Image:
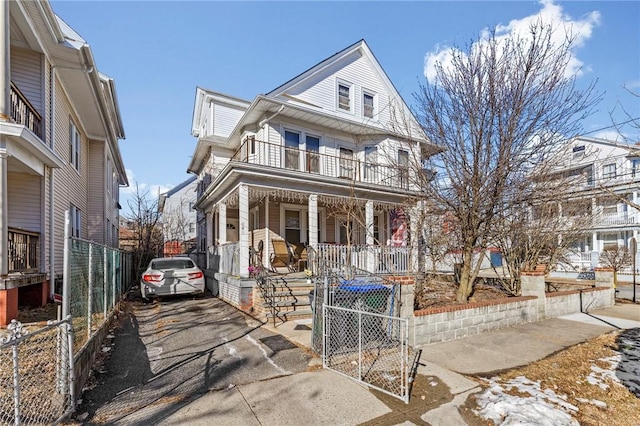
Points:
152	278
195	275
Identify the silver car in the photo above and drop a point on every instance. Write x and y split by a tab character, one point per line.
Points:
171	275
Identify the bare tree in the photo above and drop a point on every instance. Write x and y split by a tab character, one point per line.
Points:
498	109
146	226
530	236
616	258
175	224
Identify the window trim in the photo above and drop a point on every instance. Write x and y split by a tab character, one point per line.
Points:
350	86
374	106
75	146
304	220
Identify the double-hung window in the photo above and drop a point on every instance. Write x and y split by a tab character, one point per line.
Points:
74	146
291	150
368	109
346	163
370	163
75	214
609	171
344	96
403	168
313	153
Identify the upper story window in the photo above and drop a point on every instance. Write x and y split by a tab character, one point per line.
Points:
75	214
292	150
609	171
578	151
74	146
344	96
635	168
312	144
368	106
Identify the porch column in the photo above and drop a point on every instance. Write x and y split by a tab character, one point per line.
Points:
4	215
5	63
209	227
243	207
413	238
368	218
313	221
222	223
594	242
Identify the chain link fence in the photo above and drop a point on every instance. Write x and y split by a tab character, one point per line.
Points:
97	278
358	330
36	374
370	348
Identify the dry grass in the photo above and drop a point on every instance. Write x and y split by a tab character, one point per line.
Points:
566	373
440	290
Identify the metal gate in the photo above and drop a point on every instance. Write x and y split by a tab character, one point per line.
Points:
36	374
359	333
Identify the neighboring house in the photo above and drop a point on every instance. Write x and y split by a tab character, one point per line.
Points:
59	131
179	218
604	174
322	159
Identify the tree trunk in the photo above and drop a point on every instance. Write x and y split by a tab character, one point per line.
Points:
465	286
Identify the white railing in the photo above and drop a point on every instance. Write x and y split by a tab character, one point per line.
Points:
624	218
229	258
378	259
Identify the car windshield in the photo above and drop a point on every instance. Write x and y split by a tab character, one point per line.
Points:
172	264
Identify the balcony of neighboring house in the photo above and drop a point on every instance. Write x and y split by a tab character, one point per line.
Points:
346	165
24	259
615	219
24	113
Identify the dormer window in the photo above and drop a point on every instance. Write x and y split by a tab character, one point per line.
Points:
344	96
368	105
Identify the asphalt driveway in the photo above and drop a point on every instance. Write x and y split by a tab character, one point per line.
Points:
169	352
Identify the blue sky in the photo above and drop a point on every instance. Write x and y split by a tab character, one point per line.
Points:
159	51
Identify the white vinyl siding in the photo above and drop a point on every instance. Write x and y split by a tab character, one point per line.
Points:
97	208
26	73
74	146
225	119
357	70
25	208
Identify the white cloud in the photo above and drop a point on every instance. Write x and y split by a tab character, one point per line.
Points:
549	14
153	190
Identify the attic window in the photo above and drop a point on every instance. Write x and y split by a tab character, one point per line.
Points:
578	151
367	105
344	97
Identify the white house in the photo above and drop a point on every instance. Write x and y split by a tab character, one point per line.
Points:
179	217
604	175
325	158
59	129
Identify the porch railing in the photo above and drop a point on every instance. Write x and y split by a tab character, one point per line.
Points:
229	258
345	166
376	259
22	112
624	218
24	251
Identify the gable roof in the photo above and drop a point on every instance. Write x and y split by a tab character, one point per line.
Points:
165	195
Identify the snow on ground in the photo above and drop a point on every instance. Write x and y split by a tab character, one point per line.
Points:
543	406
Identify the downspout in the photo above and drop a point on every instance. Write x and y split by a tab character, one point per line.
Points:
52	257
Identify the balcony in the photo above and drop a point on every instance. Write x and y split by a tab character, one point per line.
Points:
345	166
612	219
24	251
22	112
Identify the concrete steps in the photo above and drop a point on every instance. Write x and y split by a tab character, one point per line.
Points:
288	298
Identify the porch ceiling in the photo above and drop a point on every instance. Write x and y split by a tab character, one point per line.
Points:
276	179
27	153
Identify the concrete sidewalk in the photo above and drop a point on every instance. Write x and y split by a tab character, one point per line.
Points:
322	397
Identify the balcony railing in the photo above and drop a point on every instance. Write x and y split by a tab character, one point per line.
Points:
614	219
24	251
345	166
22	112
